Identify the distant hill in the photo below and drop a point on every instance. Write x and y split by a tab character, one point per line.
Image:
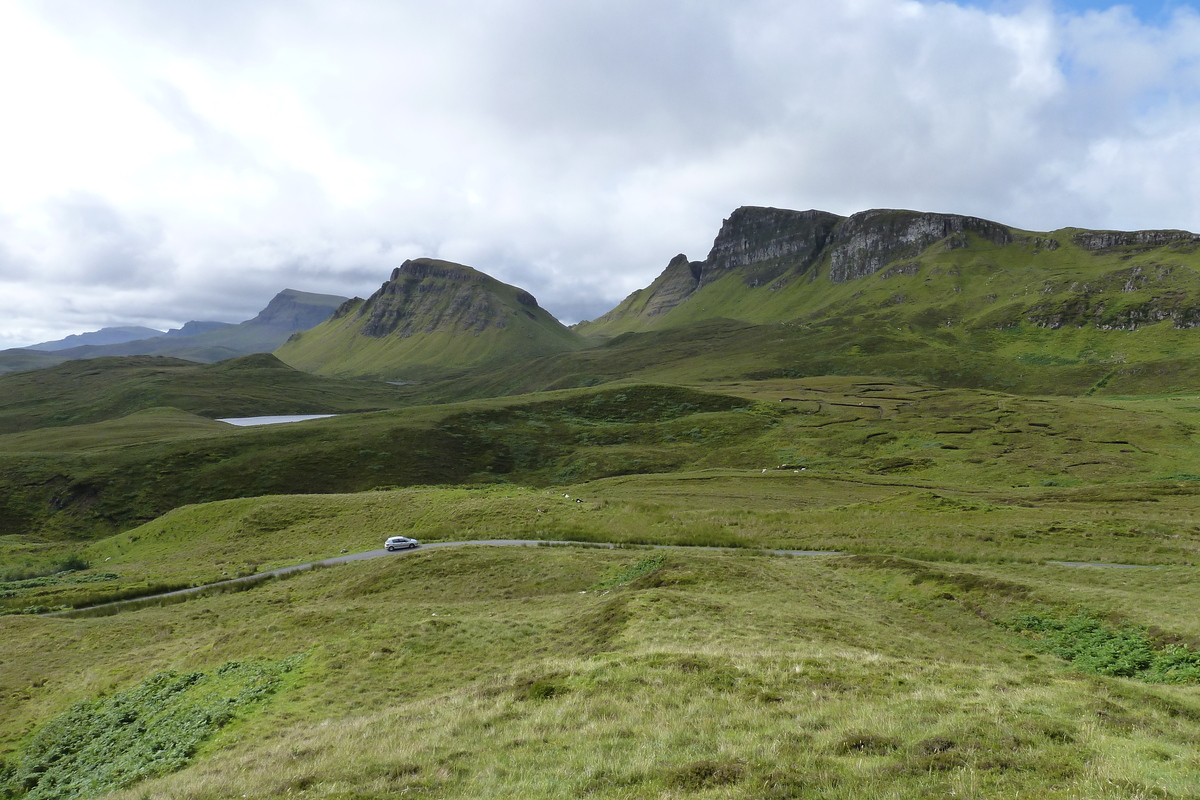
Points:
101	337
205	342
430	316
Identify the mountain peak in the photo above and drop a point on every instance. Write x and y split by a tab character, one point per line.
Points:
430	314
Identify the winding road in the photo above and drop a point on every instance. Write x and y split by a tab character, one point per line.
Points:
116	606
329	562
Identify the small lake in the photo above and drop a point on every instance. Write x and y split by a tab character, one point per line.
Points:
245	422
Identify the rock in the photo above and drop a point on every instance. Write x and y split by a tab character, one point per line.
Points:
868	241
1107	240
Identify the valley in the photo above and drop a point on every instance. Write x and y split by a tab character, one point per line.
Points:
958	410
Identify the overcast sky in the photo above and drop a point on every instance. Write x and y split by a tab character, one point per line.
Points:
168	160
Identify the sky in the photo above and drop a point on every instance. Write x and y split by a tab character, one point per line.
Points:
167	160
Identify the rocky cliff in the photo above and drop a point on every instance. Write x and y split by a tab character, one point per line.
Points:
769	242
769	247
774	264
868	241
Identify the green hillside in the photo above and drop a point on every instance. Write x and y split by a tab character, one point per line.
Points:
552	671
954	300
431	318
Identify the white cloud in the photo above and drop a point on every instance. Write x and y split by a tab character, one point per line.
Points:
214	153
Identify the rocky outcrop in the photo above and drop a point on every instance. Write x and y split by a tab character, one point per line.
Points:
769	241
424	296
868	241
1107	240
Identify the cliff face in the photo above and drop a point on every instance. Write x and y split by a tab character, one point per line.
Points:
770	241
291	311
767	247
868	241
766	260
1107	240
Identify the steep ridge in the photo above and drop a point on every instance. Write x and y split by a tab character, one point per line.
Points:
429	316
772	265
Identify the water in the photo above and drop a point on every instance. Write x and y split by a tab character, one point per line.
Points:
245	422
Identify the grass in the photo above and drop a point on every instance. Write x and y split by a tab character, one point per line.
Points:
89	481
504	673
150	729
944	654
446	320
95	390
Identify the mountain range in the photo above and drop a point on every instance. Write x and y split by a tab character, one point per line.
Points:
201	341
955	299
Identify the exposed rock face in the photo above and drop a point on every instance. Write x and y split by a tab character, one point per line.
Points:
430	317
195	328
673	286
772	248
424	295
792	240
1098	303
870	240
768	245
1106	240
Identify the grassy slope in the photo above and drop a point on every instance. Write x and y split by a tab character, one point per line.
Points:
501	673
510	673
541	673
975	316
338	347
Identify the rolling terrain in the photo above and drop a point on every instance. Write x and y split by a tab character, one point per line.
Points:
816	383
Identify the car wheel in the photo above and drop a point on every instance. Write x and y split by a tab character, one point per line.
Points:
390	548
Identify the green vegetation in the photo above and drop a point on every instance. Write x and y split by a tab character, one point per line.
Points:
150	729
960	427
1127	651
502	672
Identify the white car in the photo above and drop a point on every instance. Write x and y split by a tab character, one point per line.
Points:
400	542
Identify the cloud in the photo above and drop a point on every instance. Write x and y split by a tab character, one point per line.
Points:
182	160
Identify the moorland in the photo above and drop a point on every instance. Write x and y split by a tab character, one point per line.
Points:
993	432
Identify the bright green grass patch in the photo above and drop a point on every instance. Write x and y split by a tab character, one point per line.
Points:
634	571
1127	651
148	730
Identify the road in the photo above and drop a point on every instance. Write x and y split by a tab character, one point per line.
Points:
260	576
